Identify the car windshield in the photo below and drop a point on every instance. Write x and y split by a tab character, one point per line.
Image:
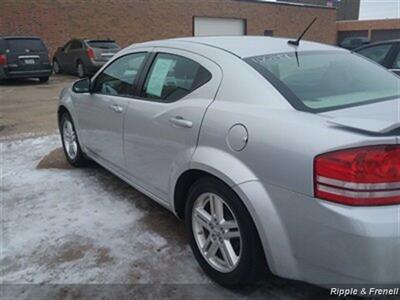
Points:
25	45
103	44
320	81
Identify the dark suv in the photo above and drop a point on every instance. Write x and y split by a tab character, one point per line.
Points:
24	57
83	57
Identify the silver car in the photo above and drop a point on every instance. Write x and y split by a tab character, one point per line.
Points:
277	157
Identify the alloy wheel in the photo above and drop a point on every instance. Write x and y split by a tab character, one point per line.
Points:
216	232
69	139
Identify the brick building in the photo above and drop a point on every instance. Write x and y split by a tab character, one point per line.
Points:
374	30
346	9
129	21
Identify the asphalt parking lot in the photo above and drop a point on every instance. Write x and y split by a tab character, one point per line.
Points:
70	233
28	107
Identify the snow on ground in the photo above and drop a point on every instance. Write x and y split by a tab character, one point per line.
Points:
64	226
71	226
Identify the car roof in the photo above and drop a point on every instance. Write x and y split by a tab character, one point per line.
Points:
378	43
20	37
244	46
100	40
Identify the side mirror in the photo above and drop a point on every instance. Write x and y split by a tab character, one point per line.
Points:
81	86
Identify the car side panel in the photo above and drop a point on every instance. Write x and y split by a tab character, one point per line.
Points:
154	147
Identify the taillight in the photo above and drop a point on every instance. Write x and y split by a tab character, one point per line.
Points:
3	60
90	53
362	176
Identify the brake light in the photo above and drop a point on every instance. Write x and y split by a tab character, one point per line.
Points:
90	53
364	176
3	60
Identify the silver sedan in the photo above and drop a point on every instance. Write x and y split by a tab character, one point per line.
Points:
277	156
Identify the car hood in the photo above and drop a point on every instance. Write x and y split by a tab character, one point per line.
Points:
378	118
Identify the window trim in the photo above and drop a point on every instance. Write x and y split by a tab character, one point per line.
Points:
136	82
294	100
146	73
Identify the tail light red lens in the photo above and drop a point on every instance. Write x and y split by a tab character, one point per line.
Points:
363	176
3	60
90	53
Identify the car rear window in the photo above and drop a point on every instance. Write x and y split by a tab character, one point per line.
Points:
25	45
103	44
319	81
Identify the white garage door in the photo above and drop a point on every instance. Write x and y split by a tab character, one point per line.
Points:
205	26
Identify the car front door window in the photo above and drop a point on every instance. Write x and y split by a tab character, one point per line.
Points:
67	47
119	78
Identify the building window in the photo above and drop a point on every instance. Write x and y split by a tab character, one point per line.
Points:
268	32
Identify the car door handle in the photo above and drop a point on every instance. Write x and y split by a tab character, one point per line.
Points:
117	108
181	122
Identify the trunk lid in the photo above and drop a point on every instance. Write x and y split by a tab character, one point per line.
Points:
381	118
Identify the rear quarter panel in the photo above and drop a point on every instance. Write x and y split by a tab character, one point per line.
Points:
278	160
282	143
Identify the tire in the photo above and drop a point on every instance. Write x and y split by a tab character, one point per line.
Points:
74	154
251	261
43	79
56	67
81	70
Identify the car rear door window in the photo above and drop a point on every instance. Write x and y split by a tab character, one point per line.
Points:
25	45
172	77
119	77
376	53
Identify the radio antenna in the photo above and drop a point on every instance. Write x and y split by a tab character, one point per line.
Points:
297	42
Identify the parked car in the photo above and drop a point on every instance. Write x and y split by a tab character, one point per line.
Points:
24	57
277	156
83	57
351	43
386	53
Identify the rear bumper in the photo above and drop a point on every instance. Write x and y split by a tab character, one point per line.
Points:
322	243
6	73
